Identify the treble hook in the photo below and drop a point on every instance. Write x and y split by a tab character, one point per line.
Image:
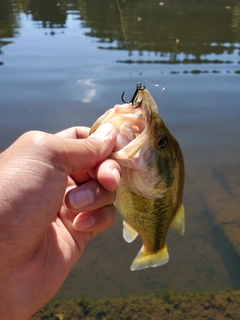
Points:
140	86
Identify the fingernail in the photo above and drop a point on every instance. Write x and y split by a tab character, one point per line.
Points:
117	176
104	130
81	198
81	223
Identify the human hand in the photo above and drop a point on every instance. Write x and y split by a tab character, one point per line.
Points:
56	193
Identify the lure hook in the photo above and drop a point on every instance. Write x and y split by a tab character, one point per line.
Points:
140	86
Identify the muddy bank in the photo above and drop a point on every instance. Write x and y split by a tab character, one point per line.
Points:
168	305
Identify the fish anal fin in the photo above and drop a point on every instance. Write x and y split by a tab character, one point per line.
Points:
178	223
129	234
146	259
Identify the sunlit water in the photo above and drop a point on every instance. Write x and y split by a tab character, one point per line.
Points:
65	65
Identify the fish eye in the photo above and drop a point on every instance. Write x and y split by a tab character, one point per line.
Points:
162	142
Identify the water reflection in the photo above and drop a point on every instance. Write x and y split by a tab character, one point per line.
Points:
236	21
8	22
172	28
181	32
48	13
173	32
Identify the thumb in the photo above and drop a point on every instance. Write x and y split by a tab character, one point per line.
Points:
85	154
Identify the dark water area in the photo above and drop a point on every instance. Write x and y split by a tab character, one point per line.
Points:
63	63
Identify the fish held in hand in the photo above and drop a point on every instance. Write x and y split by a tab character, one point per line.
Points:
150	194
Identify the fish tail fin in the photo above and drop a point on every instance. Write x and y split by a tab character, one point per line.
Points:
146	259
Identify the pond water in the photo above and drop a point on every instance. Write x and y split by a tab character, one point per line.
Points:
63	63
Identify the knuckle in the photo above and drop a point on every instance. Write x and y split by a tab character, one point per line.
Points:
34	138
37	144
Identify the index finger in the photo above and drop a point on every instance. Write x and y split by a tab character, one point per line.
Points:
79	155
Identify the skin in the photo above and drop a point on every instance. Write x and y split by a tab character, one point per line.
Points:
56	194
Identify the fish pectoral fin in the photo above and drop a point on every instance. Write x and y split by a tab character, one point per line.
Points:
129	234
146	259
178	223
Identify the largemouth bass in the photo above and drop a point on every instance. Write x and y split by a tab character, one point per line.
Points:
152	176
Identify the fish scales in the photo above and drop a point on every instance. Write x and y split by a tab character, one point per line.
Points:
143	216
149	197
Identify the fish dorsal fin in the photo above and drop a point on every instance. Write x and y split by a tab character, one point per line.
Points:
178	223
129	234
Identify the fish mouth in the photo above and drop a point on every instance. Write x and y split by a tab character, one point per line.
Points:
133	122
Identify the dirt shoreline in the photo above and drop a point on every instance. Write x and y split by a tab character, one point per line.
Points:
167	305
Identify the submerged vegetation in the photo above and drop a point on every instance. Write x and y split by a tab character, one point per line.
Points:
165	305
